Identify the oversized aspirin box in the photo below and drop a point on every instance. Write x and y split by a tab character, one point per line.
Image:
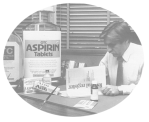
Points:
42	52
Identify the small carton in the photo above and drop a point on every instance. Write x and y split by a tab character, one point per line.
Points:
29	85
44	87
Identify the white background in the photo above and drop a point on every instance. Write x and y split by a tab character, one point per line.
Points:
133	109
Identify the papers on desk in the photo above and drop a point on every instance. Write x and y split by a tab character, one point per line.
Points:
85	104
54	81
65	94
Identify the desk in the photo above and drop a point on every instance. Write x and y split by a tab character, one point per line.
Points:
64	106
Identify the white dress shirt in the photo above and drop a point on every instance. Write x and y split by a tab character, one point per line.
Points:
132	67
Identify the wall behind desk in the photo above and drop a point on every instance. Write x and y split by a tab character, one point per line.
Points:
91	57
88	59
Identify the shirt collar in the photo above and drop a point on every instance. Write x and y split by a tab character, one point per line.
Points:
128	52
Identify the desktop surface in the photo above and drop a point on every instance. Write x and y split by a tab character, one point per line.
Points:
64	106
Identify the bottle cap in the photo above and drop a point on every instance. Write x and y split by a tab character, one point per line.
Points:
47	70
94	82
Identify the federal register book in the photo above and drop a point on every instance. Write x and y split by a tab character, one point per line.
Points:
78	80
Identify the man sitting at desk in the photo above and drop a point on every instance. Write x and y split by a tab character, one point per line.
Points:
123	61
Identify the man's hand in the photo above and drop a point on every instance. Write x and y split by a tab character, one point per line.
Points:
110	90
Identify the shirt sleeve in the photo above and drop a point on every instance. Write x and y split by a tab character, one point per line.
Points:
135	77
140	72
104	62
126	89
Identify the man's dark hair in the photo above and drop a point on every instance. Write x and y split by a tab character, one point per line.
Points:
116	30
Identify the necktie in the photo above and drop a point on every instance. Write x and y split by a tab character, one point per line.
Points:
119	80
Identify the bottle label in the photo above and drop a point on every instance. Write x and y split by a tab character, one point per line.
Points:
13	61
94	94
41	54
9	53
47	80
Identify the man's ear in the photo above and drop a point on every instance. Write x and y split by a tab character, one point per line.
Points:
127	41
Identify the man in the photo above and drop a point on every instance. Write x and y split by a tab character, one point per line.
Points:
123	61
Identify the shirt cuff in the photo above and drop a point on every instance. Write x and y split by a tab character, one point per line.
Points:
126	89
120	90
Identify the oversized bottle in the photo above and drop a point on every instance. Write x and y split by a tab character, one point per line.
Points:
88	77
42	47
13	59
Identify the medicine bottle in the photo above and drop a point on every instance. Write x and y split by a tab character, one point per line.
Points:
94	91
47	78
44	33
13	58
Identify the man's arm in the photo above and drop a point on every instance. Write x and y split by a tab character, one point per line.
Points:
104	62
123	89
118	90
127	89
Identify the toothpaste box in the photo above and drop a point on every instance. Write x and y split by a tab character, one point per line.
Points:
44	87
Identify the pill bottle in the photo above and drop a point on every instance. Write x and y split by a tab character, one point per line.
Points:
47	78
94	91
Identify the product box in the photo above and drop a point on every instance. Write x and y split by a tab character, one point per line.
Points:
29	85
46	87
